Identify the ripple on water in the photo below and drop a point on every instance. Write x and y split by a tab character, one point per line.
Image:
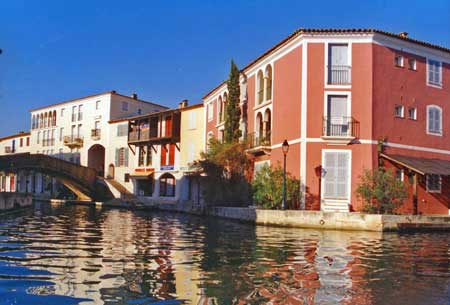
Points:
78	254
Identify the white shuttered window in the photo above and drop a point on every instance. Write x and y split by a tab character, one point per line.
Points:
434	120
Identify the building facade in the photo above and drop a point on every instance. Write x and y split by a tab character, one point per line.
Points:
13	144
166	144
334	95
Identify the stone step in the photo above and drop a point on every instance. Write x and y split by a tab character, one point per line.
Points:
334	207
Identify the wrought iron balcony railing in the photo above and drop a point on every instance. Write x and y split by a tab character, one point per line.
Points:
73	141
96	134
341	127
256	140
339	75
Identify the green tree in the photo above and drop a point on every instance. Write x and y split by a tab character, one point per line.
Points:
268	188
226	167
233	111
380	191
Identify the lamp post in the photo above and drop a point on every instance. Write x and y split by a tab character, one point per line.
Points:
285	148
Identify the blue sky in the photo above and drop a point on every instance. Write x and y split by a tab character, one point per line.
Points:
166	51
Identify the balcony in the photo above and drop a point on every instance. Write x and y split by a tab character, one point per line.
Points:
147	130
259	145
95	134
339	75
340	130
73	141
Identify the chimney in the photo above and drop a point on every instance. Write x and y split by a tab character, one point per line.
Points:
403	34
134	96
183	104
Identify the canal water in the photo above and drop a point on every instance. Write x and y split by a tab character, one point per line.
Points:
61	254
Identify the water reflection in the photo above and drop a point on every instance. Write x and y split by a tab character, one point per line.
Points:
77	254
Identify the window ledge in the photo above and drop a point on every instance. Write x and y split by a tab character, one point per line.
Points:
434	134
338	140
263	104
434	85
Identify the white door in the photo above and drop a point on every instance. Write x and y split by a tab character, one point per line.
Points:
336	175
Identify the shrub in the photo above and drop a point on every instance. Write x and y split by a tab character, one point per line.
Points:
268	188
380	191
226	166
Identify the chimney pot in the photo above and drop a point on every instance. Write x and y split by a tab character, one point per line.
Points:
403	34
134	96
183	104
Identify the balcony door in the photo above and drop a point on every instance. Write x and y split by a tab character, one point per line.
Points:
337	119
338	64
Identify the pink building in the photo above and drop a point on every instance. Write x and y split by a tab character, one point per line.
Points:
333	94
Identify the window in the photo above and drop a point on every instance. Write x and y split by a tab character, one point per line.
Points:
339	65
434	183
412	64
434	72
167	185
74	116
124	106
412	113
167	154
260	88
399	111
192	120
434	120
121	158
268	80
139	111
97	105
28	141
398	60
400	174
80	113
141	156
336	181
62	112
21	142
38	137
209	108
148	159
122	130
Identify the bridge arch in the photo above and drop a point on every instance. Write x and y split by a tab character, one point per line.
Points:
81	180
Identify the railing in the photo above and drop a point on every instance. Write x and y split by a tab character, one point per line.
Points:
339	75
73	140
95	134
340	127
256	140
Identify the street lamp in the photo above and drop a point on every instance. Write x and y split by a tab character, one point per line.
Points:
285	148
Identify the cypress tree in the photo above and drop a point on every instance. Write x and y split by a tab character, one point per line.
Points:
233	111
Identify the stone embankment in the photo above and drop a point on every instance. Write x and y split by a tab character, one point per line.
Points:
10	201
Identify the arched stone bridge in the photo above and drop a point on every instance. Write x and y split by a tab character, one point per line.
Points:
81	180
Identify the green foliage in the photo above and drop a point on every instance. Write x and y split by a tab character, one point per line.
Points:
268	188
233	111
380	191
226	166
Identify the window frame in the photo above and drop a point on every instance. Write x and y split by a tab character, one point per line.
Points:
402	114
437	190
414	118
412	60
402	60
440	133
439	65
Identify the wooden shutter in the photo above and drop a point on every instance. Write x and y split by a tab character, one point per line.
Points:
168	131
125	162
172	154
163	155
117	156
